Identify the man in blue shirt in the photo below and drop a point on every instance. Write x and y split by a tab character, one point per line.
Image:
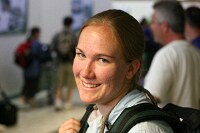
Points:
192	26
33	70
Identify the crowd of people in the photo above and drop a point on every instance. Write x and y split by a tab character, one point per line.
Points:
114	57
48	66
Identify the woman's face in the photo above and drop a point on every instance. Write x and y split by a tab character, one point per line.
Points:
99	67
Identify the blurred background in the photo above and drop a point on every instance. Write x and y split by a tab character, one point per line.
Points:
48	15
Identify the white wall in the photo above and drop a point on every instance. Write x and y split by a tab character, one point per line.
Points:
48	15
137	9
142	8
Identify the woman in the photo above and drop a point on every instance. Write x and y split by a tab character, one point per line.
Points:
107	67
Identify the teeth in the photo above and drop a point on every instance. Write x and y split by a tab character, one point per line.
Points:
90	85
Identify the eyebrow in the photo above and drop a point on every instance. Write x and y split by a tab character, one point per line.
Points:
98	54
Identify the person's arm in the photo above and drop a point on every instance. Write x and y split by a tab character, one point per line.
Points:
70	126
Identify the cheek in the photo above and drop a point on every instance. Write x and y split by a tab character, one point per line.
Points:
110	76
76	67
105	75
157	34
155	30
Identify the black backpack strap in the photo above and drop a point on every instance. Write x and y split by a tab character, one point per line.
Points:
140	113
84	124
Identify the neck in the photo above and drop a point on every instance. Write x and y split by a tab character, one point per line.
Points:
193	36
106	108
174	37
192	33
67	28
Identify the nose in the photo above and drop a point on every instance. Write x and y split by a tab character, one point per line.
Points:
88	70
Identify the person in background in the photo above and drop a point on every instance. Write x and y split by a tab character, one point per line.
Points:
151	47
47	75
107	69
63	45
192	26
33	70
174	73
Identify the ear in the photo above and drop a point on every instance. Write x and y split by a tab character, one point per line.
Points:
165	26
133	68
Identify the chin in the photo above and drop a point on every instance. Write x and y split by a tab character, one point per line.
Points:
86	99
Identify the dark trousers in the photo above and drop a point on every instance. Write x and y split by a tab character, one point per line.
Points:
30	88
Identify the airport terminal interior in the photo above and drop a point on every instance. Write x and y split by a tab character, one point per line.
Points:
42	117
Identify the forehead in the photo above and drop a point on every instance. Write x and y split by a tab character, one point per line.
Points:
155	17
99	33
100	28
99	36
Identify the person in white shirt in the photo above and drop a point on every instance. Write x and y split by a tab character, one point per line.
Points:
174	75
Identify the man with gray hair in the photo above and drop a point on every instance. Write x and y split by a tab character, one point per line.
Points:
174	73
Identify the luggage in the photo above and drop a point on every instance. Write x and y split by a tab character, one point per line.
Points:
8	111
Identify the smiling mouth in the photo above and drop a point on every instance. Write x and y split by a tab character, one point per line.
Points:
91	85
